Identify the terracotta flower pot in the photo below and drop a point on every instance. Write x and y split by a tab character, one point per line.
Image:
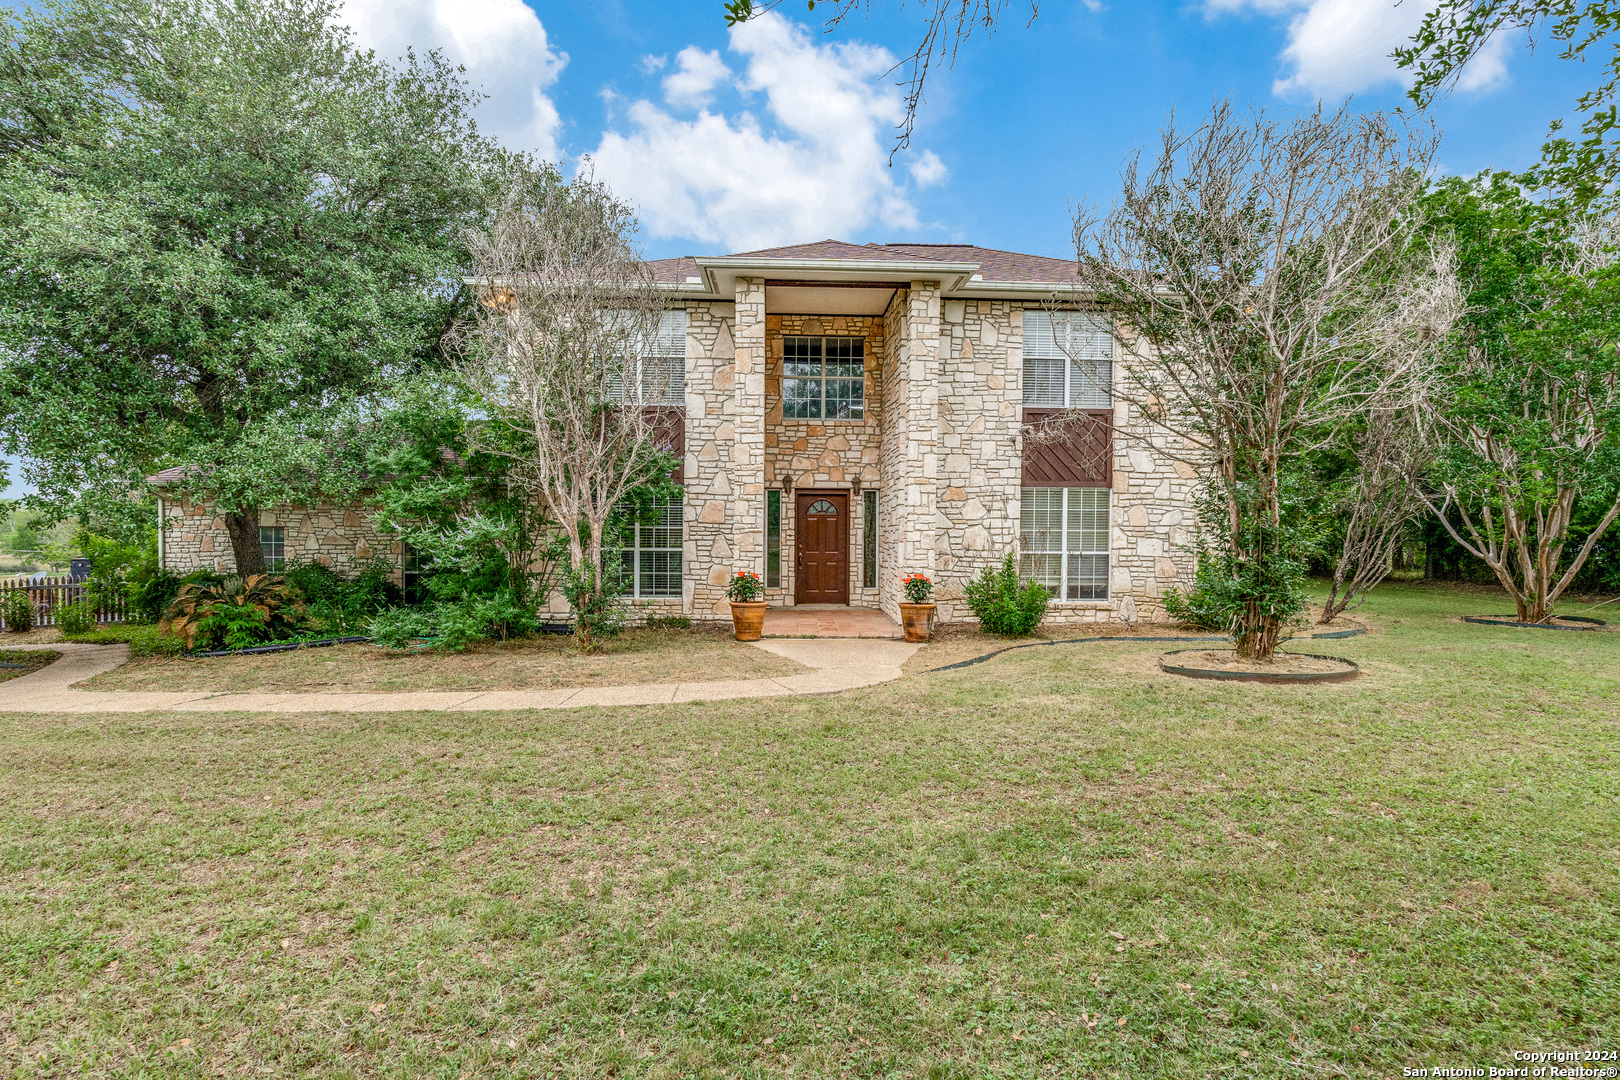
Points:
918	620
748	619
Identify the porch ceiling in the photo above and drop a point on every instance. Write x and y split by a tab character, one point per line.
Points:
827	299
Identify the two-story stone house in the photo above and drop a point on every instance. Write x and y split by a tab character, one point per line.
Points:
853	414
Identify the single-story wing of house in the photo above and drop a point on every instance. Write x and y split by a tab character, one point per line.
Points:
851	414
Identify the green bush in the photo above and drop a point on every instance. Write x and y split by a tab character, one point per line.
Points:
151	590
1003	604
76	618
453	625
237	613
17	609
339	605
142	640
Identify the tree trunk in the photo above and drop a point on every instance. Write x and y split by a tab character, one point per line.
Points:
243	528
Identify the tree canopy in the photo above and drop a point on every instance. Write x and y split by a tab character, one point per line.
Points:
221	223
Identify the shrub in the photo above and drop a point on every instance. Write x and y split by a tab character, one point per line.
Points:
598	613
237	613
76	618
142	640
151	591
668	622
342	605
1003	604
452	625
17	609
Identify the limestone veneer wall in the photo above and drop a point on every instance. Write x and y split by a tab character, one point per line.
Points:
824	454
980	409
194	536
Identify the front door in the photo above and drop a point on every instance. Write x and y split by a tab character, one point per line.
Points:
821	537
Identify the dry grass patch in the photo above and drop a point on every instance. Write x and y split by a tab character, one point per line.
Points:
636	657
14	663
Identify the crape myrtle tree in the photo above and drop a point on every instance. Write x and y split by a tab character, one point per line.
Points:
1268	289
1530	418
221	225
567	312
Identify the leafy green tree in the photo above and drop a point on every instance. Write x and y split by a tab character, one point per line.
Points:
221	224
1453	33
1531	411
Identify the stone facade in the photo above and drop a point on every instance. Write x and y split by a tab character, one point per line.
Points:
939	442
194	537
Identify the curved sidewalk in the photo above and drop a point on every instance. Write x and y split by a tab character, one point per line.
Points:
836	664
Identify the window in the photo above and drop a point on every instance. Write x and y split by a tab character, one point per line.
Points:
662	367
869	539
1064	541
273	540
411	573
652	552
773	539
1068	361
823	378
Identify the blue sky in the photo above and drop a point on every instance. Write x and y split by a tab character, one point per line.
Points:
779	133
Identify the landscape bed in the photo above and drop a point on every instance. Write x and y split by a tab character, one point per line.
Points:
1058	862
541	662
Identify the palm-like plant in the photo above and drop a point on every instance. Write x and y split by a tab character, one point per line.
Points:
238	611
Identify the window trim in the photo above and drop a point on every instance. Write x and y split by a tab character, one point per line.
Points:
1065	553
860	339
278	541
773	539
869	551
1069	361
633	551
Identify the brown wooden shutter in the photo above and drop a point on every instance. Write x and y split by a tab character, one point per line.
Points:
670	424
1084	459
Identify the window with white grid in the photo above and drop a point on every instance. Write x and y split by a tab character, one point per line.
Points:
1063	541
273	542
662	365
1068	360
823	378
652	552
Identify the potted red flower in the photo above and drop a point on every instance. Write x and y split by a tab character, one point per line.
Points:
746	593
917	610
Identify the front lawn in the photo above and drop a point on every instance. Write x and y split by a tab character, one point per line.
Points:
636	656
1058	863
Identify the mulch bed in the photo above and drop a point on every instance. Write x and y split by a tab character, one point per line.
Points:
1284	667
1557	622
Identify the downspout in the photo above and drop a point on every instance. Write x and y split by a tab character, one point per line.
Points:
163	563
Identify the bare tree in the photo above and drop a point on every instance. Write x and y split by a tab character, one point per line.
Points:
567	313
1268	288
1531	410
1384	499
946	25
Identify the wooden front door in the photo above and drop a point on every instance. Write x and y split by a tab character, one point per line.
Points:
821	538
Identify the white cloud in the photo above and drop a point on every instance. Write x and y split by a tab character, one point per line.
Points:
695	77
928	170
501	43
815	166
1338	47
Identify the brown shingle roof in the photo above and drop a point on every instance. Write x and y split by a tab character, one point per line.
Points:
994	264
835	249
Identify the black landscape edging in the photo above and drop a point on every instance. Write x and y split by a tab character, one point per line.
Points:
1080	640
1508	620
285	646
1283	677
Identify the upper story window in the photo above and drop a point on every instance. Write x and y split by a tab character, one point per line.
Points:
1068	360
662	365
824	378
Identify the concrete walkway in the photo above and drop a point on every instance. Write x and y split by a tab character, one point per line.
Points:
836	664
829	621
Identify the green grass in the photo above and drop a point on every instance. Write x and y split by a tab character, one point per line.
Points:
143	640
1058	863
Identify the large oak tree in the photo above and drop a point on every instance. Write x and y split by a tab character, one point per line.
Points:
221	223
